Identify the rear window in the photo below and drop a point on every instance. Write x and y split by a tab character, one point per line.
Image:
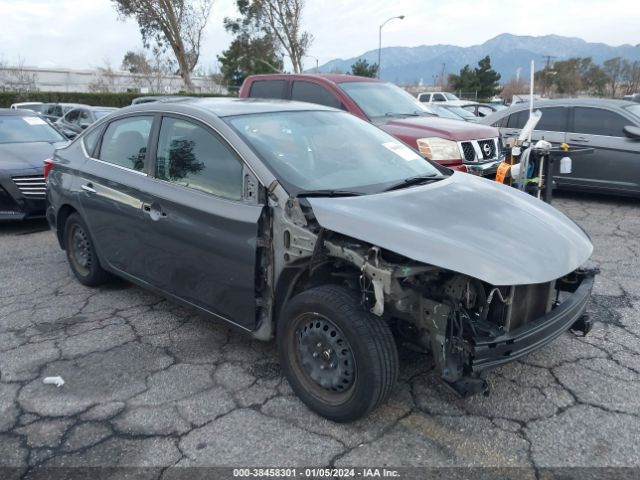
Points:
312	93
268	89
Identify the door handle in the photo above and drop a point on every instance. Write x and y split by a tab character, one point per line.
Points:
579	139
154	211
88	187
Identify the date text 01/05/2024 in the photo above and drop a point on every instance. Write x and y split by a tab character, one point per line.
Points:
315	473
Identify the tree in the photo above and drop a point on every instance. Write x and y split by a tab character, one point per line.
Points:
17	77
178	24
150	71
362	68
465	81
632	77
486	79
280	20
614	69
249	56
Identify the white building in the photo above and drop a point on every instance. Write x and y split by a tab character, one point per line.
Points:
69	80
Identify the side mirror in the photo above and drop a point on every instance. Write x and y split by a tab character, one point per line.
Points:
632	132
84	125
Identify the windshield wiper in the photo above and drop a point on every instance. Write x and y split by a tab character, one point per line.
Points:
417	180
400	114
328	193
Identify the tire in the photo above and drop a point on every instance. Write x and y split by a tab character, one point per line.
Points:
339	359
81	253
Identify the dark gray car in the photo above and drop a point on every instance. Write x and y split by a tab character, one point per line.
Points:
26	140
307	224
610	127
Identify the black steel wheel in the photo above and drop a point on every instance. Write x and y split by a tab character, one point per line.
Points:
81	253
339	359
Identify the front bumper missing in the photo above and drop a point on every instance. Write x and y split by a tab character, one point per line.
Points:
493	352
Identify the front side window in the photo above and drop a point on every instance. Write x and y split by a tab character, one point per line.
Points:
597	121
313	93
327	150
124	142
518	119
194	157
438	97
554	119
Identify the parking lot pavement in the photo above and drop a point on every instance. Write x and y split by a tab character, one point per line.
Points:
149	383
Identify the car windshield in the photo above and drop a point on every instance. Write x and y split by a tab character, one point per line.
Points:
633	110
330	151
26	129
377	99
451	96
461	112
445	113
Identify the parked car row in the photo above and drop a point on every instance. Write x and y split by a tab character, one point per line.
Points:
610	127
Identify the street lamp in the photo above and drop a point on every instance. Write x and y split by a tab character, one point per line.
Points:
311	56
399	17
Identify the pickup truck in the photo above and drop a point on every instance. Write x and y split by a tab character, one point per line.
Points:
454	144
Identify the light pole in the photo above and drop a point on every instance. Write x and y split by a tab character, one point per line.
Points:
315	58
399	17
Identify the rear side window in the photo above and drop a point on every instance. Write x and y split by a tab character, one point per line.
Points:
91	141
596	121
313	93
268	89
72	116
194	157
125	142
553	119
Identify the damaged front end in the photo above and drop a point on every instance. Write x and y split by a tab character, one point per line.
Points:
466	324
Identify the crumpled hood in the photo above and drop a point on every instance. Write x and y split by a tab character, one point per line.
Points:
22	156
465	224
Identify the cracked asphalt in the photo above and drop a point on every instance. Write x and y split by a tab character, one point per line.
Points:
151	384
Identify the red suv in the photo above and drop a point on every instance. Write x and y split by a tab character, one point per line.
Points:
452	143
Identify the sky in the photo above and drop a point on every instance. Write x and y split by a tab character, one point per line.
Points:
88	33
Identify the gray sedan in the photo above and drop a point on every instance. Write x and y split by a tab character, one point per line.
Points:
310	225
610	127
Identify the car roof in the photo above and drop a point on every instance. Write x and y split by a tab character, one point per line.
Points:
227	106
558	102
596	102
18	112
321	77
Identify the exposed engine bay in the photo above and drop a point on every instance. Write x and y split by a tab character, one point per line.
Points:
467	324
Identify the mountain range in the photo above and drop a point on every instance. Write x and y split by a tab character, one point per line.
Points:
510	55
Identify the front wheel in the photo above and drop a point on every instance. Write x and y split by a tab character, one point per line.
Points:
339	359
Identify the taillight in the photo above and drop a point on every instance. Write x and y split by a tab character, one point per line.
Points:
48	166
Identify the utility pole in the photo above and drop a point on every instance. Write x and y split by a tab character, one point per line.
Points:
548	57
442	76
399	17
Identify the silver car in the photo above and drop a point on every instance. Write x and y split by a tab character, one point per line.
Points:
610	127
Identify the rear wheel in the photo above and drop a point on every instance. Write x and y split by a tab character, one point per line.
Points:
81	253
339	359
